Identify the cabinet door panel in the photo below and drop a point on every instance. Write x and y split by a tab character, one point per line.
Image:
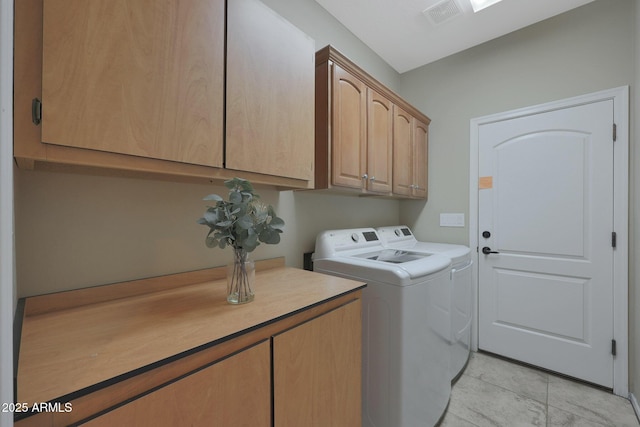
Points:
402	152
421	160
233	392
379	142
317	371
270	93
135	77
349	129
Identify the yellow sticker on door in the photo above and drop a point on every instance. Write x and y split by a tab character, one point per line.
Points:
485	182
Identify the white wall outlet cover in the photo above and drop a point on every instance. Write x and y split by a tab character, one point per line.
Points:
451	220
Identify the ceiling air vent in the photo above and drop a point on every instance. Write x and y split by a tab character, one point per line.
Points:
442	11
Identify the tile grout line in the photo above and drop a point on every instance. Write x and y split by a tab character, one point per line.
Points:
547	402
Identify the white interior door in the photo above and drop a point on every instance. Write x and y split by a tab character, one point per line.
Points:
545	201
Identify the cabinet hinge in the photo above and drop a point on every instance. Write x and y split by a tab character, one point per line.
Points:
614	239
613	348
36	111
615	132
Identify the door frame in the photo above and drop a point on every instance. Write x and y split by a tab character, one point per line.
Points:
620	97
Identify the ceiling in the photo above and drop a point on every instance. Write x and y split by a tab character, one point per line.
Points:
399	32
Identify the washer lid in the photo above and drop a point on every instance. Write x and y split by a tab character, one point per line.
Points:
414	268
401	237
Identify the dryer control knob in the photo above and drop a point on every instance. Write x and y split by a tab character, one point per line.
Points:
355	237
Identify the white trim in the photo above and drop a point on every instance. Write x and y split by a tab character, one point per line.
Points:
620	97
7	298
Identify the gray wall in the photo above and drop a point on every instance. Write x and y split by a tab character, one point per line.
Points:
585	50
310	17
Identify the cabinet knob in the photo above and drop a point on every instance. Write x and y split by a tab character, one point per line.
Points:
365	176
373	178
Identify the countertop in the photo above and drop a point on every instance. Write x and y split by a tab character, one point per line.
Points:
71	349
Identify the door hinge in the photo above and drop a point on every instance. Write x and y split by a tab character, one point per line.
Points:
614	239
36	111
613	347
615	132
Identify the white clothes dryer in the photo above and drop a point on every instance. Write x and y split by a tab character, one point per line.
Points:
405	325
401	237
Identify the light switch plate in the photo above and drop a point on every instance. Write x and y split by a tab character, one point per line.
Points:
451	220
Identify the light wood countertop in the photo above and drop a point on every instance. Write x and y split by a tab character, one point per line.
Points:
73	349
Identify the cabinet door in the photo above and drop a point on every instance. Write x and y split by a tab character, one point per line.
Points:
136	77
348	148
403	158
421	159
270	93
233	392
379	142
317	371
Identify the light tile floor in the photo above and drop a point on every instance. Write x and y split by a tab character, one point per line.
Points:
496	392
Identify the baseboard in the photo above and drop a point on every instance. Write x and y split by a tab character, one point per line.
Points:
634	403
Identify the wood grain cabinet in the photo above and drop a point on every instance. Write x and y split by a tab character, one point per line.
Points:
356	121
233	392
270	93
317	371
410	150
316	382
138	87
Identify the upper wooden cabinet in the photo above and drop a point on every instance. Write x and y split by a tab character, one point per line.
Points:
362	146
138	87
348	134
379	142
135	77
420	159
270	93
410	148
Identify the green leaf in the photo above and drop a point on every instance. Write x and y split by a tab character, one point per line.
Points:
211	216
277	223
211	242
224	224
235	197
245	222
270	237
213	197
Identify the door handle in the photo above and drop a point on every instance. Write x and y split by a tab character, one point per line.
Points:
487	250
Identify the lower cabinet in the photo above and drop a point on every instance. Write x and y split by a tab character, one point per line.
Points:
317	371
233	392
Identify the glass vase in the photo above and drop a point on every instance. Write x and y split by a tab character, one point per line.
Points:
241	275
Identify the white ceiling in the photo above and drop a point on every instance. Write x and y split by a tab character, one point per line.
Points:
403	36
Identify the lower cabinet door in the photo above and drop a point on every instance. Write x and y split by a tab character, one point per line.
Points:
317	371
233	392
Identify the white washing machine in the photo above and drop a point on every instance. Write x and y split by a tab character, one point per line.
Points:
405	322
401	237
